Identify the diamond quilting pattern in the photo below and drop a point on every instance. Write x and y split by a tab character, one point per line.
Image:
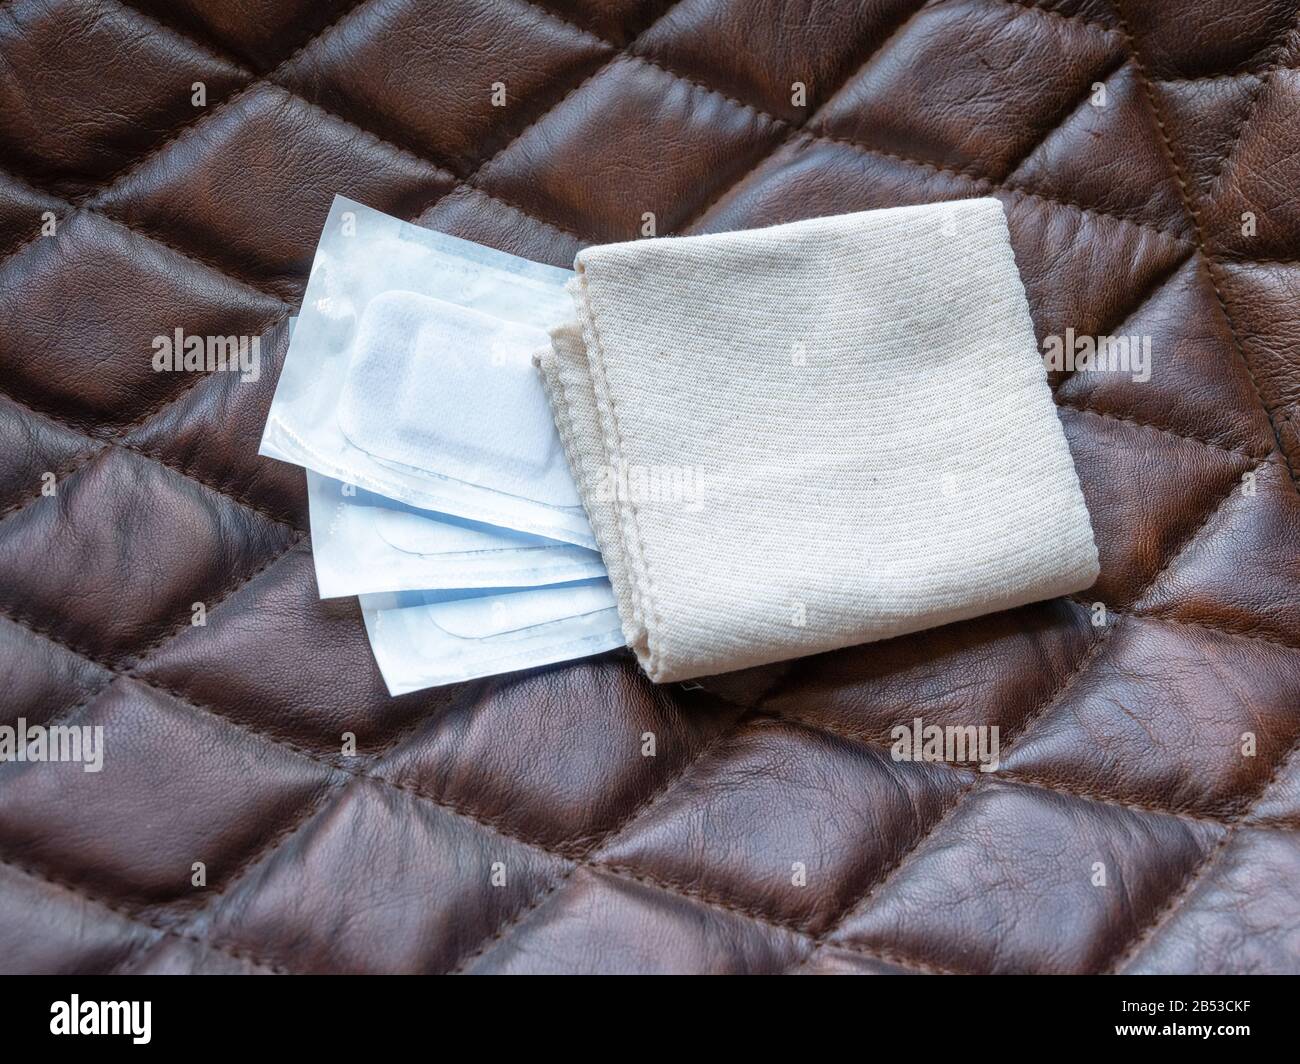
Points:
1156	752
1226	38
695	37
18	206
450	856
1224	911
1121	740
1009	663
336	689
161	807
604	712
439	98
997	843
985	110
801	862
126	291
97	89
257	31
1199	387
274	242
676	132
42	678
49	549
1105	153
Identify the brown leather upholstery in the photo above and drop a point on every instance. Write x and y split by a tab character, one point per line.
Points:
1122	743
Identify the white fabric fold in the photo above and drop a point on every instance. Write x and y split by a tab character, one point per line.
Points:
800	438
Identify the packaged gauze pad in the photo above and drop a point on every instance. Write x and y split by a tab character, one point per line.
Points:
426	638
409	374
364	543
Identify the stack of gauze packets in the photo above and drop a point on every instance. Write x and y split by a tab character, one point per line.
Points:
438	488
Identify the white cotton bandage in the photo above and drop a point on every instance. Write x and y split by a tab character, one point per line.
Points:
793	439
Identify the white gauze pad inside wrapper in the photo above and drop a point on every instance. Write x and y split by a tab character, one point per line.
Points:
365	543
409	375
423	639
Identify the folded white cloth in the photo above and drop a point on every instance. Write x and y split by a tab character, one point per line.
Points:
799	438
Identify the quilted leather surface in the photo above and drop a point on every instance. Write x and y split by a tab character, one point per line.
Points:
1121	742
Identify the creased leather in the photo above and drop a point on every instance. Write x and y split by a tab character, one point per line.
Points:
756	823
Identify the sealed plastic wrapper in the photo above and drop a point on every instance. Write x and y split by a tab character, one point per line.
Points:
427	638
410	375
365	543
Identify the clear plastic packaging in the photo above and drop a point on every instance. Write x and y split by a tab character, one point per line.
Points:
410	374
426	638
364	543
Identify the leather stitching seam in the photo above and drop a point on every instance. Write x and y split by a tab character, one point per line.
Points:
1271	65
335	786
905	856
583	857
1198	872
1090	655
1012	777
140	919
1193	213
1269	459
